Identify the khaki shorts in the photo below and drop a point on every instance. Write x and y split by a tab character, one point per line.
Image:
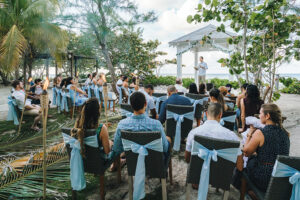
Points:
201	79
32	112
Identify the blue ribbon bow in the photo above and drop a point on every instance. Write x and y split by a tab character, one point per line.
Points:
126	113
158	100
76	163
208	155
230	105
12	113
54	96
227	119
179	119
140	172
283	170
120	94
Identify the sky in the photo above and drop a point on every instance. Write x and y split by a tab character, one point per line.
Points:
171	24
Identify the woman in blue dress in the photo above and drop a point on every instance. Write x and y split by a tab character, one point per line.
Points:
75	93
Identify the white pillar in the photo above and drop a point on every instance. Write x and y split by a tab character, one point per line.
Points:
179	64
195	65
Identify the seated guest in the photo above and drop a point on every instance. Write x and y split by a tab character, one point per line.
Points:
250	105
193	88
101	79
125	85
88	80
94	78
89	119
264	145
138	122
179	86
173	98
30	109
148	91
211	128
216	97
229	88
63	83
223	90
202	88
79	100
242	95
38	86
120	81
209	86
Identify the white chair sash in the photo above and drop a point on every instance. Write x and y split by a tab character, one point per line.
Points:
76	163
283	170
140	172
208	155
179	119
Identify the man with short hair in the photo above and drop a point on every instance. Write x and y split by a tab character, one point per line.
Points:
120	81
201	68
88	80
30	109
173	98
211	128
148	91
138	122
179	86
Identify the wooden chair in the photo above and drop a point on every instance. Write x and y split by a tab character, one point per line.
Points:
220	172
93	162
199	108
155	164
227	124
126	107
279	188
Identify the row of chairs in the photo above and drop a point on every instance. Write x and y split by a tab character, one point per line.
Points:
221	171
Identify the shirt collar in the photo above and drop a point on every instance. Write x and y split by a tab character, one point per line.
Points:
141	116
211	122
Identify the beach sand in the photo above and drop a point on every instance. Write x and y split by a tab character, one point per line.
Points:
290	106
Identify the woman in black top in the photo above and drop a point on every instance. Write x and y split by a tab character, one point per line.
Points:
193	88
263	146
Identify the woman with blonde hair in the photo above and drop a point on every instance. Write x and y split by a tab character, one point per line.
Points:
264	145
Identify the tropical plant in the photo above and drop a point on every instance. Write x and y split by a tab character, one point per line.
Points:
27	28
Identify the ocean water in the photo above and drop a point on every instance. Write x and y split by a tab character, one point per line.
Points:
226	76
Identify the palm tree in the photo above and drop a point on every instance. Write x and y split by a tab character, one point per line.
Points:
26	27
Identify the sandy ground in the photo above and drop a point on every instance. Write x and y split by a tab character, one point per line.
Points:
290	106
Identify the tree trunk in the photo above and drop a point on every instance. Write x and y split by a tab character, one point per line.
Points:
47	68
110	67
24	71
245	40
17	72
273	63
4	78
30	62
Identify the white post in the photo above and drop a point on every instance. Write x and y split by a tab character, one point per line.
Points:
195	65
179	64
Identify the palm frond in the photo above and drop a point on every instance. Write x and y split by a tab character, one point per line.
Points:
44	8
12	47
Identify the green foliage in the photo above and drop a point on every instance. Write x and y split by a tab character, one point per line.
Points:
276	96
292	85
162	80
187	81
222	82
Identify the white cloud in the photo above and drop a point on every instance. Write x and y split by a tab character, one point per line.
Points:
158	5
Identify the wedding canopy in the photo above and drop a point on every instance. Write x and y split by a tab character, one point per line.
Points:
194	42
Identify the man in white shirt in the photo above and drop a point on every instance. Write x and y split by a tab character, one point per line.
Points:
148	91
211	128
120	81
179	86
88	80
30	109
201	68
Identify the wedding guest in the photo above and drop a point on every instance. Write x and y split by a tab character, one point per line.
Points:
193	88
202	88
229	88
88	80
179	86
216	97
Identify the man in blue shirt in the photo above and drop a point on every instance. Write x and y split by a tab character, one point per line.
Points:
138	122
175	99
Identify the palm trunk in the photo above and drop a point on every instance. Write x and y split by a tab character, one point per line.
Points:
17	72
24	71
245	40
273	63
30	62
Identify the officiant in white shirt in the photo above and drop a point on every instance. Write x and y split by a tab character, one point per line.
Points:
201	68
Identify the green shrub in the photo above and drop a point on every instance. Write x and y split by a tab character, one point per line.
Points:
292	88
222	82
155	81
187	81
287	81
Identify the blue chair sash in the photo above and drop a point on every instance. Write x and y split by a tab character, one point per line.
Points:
96	91
208	155
126	113
230	105
120	94
228	119
196	102
283	170
64	102
89	91
58	102
54	96
179	119
158	100
76	163
140	172
12	113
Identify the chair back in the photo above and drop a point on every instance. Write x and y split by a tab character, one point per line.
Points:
159	95
199	108
93	161
154	162
180	93
126	107
186	125
233	98
220	171
229	125
280	187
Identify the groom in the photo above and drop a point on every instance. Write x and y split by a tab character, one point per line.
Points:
201	68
